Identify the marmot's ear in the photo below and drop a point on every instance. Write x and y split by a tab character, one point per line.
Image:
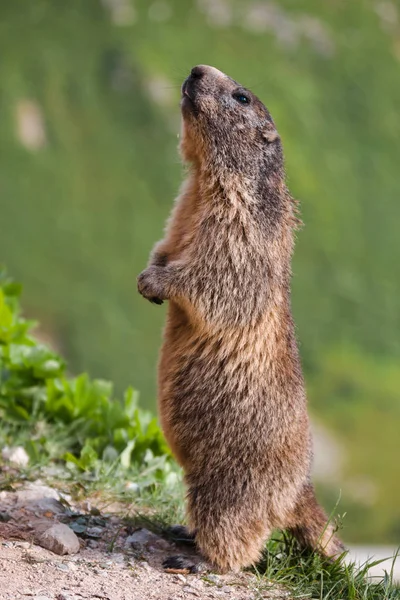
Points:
270	135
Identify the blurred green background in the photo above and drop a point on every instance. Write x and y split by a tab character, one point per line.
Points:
89	97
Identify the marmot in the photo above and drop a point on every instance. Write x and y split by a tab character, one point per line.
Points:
231	391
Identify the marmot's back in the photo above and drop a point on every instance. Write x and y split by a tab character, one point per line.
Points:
231	394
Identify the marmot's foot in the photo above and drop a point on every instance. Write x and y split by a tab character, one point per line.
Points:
184	564
181	535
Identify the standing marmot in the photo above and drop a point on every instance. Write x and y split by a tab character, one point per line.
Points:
231	391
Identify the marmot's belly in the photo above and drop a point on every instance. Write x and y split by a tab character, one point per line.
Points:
213	414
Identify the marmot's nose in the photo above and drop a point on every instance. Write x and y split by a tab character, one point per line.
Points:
198	72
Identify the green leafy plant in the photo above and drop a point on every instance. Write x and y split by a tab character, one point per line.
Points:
74	418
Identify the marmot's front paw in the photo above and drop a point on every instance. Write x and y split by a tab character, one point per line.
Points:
150	284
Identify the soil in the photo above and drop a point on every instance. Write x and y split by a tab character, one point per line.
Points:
116	561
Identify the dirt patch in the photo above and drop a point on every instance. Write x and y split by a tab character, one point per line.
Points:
115	561
36	573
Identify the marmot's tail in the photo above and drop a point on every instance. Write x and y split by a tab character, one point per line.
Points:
311	528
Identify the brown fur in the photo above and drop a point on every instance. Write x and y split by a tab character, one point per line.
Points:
231	392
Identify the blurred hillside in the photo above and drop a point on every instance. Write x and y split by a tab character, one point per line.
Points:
89	95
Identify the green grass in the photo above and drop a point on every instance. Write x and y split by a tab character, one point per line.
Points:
307	575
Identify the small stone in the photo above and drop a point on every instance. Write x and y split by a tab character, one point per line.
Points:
142	537
130	486
181	578
92	544
25	545
188	589
196	583
94	532
60	539
36	496
16	455
162	544
213	578
41	598
63	567
118	559
114	520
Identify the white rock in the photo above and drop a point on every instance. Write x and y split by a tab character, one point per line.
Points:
131	486
16	456
25	545
36	496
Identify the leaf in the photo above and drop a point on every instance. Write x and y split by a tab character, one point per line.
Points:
131	402
6	317
12	289
18	412
48	369
125	457
70	458
88	456
103	387
18	353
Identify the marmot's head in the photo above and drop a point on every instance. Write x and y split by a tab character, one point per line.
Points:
226	125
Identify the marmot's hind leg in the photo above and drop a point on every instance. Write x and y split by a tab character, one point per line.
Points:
229	548
309	524
179	534
230	527
234	544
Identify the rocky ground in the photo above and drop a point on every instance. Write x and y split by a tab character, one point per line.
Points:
54	549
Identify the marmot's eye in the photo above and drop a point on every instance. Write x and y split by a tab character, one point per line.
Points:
241	98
